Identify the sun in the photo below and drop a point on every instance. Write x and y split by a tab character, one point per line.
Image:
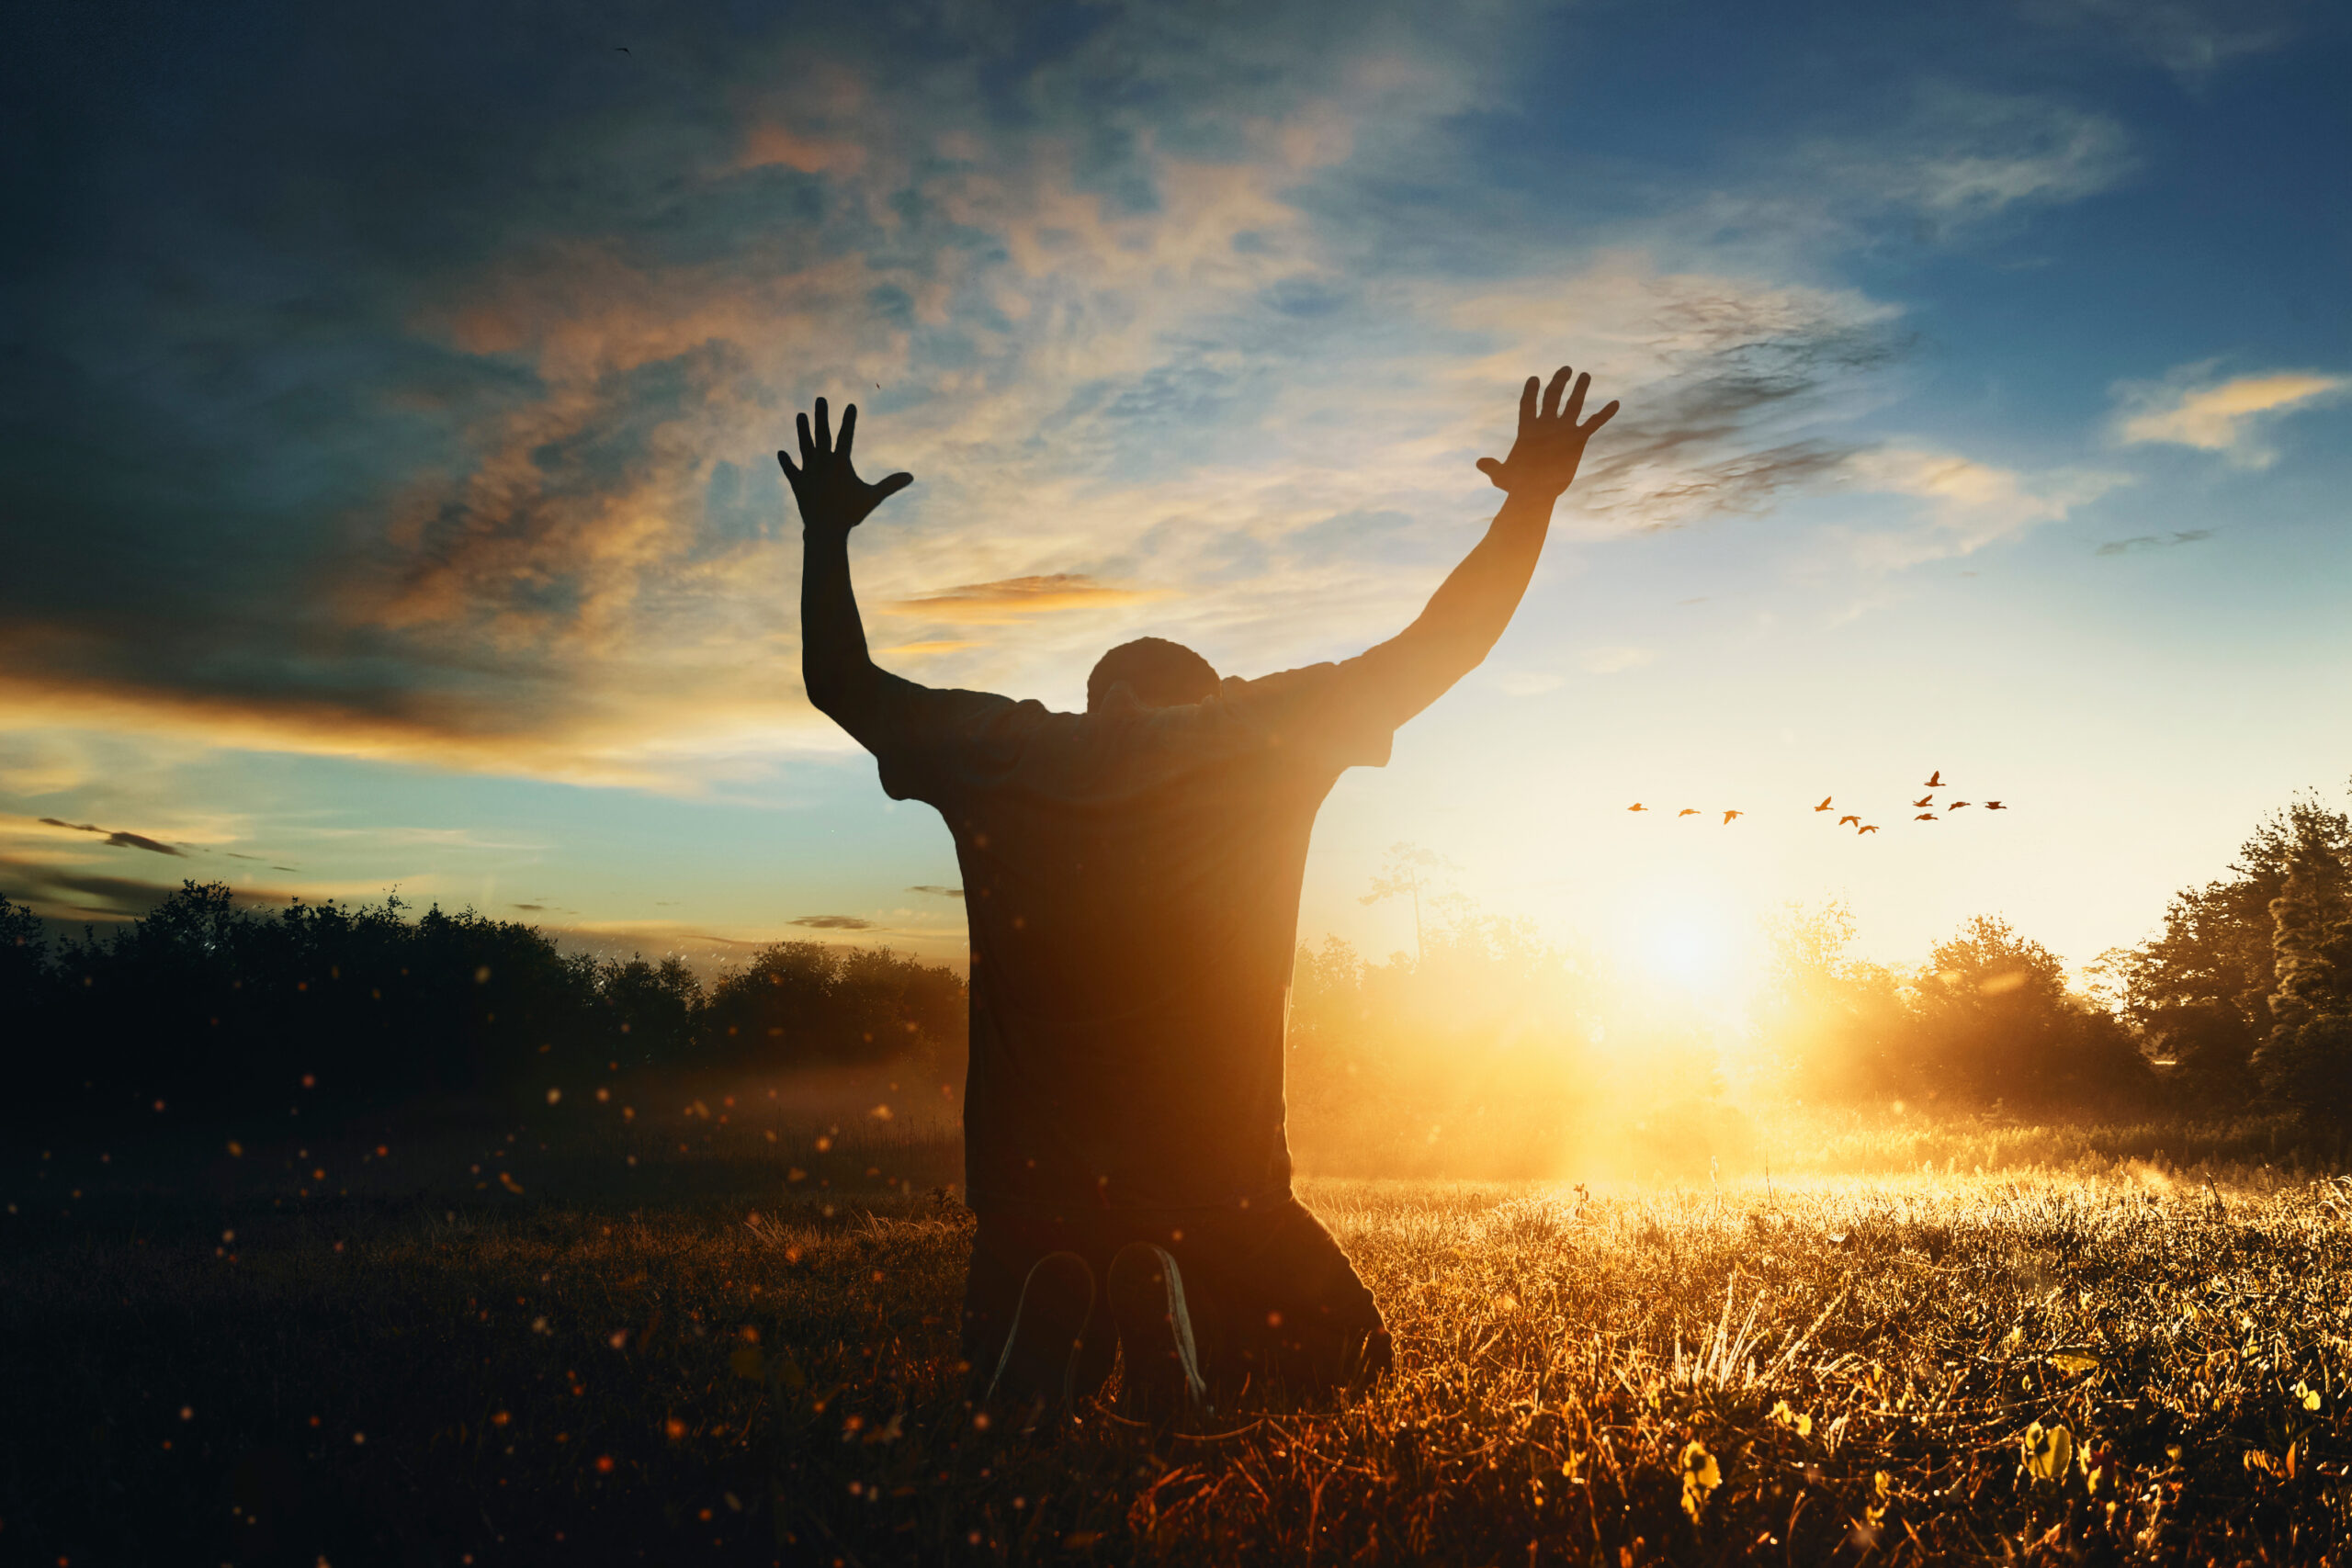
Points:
1692	948
1691	954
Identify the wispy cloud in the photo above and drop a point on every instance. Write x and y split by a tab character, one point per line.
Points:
2232	415
1961	505
139	841
1015	598
833	923
1967	154
2152	542
115	840
2191	38
937	892
1612	660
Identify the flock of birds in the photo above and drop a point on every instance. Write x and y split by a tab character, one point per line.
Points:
1935	782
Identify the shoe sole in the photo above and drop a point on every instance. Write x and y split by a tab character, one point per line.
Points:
1146	1292
1040	1353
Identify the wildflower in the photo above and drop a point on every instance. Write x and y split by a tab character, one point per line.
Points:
1801	1425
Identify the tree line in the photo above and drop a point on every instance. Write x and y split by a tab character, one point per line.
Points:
2242	1000
206	1001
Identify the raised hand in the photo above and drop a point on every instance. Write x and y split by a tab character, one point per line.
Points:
831	495
1543	461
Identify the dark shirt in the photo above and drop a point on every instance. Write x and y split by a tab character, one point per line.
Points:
1132	877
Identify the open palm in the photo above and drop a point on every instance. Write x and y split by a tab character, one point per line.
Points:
827	488
1543	461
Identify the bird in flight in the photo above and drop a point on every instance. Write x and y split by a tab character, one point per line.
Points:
1637	805
1687	811
1956	805
1995	806
1825	804
1923	800
1925	817
1729	815
1872	829
1854	820
1936	779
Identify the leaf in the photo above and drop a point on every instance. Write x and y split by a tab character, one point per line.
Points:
2074	1362
2309	1395
1700	1476
1801	1425
2048	1451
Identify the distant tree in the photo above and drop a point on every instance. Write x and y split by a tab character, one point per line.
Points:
1409	872
2305	1060
1483	1041
1830	1026
804	1003
1994	1021
655	1008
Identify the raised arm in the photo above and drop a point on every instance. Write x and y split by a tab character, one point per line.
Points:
842	678
1467	613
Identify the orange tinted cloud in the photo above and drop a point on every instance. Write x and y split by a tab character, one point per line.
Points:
1015	598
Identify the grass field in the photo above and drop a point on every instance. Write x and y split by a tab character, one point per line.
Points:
311	1348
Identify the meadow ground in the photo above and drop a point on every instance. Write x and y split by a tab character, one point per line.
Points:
561	1333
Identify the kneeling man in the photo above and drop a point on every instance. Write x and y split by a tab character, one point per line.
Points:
1132	879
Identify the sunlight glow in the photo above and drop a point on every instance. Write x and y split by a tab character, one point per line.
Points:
1690	942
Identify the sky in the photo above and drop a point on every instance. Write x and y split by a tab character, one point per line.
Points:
391	393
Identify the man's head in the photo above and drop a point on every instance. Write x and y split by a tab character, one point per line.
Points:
1161	673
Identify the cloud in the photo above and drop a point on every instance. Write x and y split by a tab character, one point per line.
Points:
833	923
70	892
1014	600
2231	416
1961	506
938	891
121	841
2152	542
2191	38
1612	660
139	841
1146	304
530	909
1967	155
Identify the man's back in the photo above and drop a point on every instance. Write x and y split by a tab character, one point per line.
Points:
1132	875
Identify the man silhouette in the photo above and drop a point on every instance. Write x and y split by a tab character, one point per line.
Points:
1132	875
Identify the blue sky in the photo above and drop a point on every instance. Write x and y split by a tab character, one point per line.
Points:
389	399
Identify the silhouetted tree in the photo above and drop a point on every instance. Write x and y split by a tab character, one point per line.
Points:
656	1008
24	963
1995	1021
206	1001
2305	1061
804	1003
2199	991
